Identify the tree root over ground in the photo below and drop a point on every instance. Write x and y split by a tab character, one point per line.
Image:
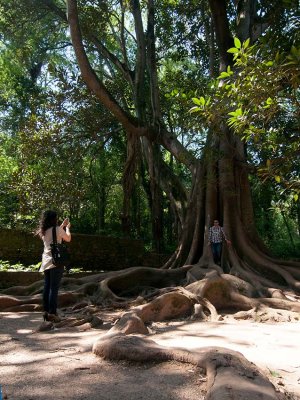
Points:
229	374
141	297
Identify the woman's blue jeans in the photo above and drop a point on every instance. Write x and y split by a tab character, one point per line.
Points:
52	278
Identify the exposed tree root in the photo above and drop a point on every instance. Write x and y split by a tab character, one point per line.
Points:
264	314
212	291
128	283
230	375
34	303
143	294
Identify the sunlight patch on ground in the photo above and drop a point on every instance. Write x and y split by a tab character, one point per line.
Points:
24	331
256	342
14	316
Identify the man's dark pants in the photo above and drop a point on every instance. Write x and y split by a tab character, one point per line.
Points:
216	250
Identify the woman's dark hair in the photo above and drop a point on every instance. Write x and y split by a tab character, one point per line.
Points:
48	219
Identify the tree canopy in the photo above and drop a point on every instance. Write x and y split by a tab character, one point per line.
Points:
95	86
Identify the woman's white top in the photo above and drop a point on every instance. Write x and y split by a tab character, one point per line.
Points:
48	239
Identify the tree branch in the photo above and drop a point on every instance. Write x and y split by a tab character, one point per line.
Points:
139	80
223	35
88	74
151	59
129	123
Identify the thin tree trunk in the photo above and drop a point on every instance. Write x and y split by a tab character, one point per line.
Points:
288	228
129	180
223	35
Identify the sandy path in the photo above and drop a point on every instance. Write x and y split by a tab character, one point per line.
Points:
59	364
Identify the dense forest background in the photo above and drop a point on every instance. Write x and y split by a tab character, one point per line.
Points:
62	149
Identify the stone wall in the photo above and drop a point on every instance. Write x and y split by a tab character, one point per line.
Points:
89	252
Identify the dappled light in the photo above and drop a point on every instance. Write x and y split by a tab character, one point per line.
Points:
30	364
166	134
185	322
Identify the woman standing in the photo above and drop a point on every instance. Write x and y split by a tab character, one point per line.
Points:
52	274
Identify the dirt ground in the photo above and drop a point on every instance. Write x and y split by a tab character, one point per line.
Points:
59	364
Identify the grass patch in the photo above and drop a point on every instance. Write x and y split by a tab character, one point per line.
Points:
6	266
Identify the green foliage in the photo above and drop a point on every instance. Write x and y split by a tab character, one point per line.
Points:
62	150
35	40
275	374
8	166
182	27
259	98
277	219
5	266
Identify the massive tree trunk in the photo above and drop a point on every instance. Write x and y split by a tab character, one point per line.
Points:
228	199
228	195
220	185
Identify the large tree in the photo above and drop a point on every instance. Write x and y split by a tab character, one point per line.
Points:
125	42
220	185
123	52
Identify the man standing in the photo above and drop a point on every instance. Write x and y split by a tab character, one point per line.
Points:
215	239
